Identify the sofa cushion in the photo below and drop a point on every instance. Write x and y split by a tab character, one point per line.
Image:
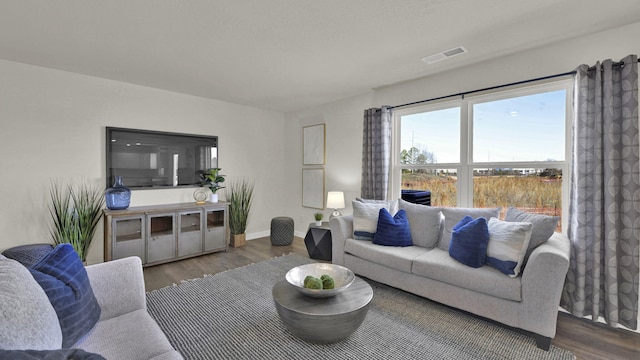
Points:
543	226
436	264
426	223
395	257
393	230
127	336
508	243
365	219
469	240
64	279
27	317
453	215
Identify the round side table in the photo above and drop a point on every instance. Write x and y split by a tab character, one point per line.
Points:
322	320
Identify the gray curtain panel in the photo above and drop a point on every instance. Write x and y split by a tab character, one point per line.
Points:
604	212
376	153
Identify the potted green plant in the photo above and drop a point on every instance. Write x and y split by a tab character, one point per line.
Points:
318	216
212	179
75	212
239	195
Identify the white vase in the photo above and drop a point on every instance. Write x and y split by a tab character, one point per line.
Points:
319	223
214	198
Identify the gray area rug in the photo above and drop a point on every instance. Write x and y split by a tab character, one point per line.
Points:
231	315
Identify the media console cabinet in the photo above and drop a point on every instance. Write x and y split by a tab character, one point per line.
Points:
163	233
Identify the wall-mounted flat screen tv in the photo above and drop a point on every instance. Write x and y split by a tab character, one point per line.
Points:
155	159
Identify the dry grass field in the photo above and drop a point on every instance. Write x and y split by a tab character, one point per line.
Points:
533	194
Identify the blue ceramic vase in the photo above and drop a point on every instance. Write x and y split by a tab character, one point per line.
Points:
118	197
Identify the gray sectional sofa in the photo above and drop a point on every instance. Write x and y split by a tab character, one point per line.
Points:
529	301
124	331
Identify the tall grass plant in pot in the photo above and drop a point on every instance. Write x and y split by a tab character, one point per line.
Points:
75	212
239	195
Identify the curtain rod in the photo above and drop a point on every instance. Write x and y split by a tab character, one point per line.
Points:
462	94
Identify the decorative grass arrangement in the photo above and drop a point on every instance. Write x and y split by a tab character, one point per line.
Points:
75	211
239	194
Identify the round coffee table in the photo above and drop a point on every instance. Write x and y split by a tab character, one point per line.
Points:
322	320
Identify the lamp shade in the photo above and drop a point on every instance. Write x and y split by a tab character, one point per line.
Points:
335	200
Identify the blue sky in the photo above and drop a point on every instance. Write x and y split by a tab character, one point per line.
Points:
527	128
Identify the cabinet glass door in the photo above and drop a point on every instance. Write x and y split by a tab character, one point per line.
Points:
128	239
161	243
215	236
190	233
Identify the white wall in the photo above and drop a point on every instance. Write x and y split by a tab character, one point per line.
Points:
343	143
53	127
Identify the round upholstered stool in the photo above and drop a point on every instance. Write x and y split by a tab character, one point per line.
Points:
281	231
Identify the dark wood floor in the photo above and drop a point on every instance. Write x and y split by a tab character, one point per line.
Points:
587	340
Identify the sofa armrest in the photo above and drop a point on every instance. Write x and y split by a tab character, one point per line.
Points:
118	286
341	230
542	282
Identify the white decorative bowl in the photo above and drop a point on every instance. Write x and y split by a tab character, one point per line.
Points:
342	278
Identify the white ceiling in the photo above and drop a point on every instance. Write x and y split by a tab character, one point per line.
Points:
285	55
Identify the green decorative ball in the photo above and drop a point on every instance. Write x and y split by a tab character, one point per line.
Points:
313	283
327	282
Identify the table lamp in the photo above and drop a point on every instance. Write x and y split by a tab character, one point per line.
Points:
335	201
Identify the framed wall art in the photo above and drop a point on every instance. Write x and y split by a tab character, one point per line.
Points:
313	188
313	144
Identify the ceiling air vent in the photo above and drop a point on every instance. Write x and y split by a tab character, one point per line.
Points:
444	55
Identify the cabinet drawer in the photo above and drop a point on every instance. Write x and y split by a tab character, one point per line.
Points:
190	244
161	248
126	248
215	238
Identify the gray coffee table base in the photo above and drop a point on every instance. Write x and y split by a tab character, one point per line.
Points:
322	321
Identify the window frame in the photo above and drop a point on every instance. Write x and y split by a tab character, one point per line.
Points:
464	184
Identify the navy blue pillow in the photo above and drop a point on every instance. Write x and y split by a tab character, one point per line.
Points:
64	279
469	240
393	230
61	354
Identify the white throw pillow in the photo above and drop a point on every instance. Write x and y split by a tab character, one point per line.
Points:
365	219
508	242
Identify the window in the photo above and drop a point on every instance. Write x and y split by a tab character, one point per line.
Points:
507	148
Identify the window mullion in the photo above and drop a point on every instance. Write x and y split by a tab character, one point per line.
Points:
465	175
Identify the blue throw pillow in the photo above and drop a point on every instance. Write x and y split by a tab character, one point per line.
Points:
469	239
393	230
61	354
64	279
